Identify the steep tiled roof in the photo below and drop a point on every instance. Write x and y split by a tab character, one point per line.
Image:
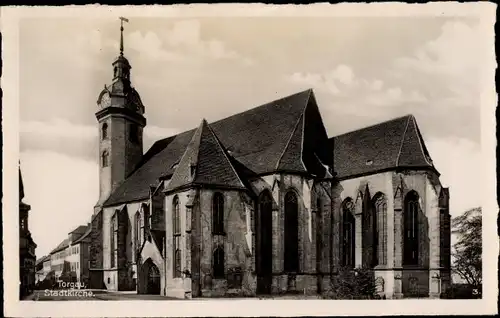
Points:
84	236
392	144
205	162
80	229
256	139
83	230
42	259
61	246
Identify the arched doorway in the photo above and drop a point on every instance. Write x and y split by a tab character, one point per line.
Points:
153	278
264	246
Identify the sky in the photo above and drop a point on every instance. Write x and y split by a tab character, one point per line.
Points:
362	70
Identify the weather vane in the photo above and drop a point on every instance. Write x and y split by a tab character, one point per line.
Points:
121	33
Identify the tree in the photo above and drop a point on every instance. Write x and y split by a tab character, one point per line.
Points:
358	283
467	250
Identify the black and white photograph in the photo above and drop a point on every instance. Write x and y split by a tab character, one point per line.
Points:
249	156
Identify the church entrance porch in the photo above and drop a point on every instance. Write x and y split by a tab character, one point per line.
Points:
151	278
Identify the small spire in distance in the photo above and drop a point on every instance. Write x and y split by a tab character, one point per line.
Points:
121	33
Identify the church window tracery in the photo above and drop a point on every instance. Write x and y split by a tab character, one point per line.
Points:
380	204
114	240
137	230
411	228
348	234
291	232
176	236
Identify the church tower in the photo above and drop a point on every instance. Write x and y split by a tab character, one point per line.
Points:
121	123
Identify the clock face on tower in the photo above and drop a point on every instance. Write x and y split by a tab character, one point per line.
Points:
105	101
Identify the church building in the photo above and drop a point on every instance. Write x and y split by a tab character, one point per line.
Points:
264	202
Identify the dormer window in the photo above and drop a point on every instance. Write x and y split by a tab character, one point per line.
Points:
369	162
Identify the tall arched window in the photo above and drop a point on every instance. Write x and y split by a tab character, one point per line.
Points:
218	265
264	235
348	234
291	232
105	158
176	222
104	132
411	228
380	205
319	231
218	214
114	239
137	230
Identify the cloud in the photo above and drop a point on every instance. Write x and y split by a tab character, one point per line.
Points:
355	93
67	138
154	133
151	47
57	128
453	63
458	160
454	53
61	190
343	74
182	42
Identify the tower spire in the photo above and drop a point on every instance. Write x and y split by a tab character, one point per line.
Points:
121	33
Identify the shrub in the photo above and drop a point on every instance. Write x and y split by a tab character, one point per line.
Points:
350	283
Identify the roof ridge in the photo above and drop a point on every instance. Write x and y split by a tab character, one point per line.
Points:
420	141
302	115
288	142
402	141
224	152
309	90
374	125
